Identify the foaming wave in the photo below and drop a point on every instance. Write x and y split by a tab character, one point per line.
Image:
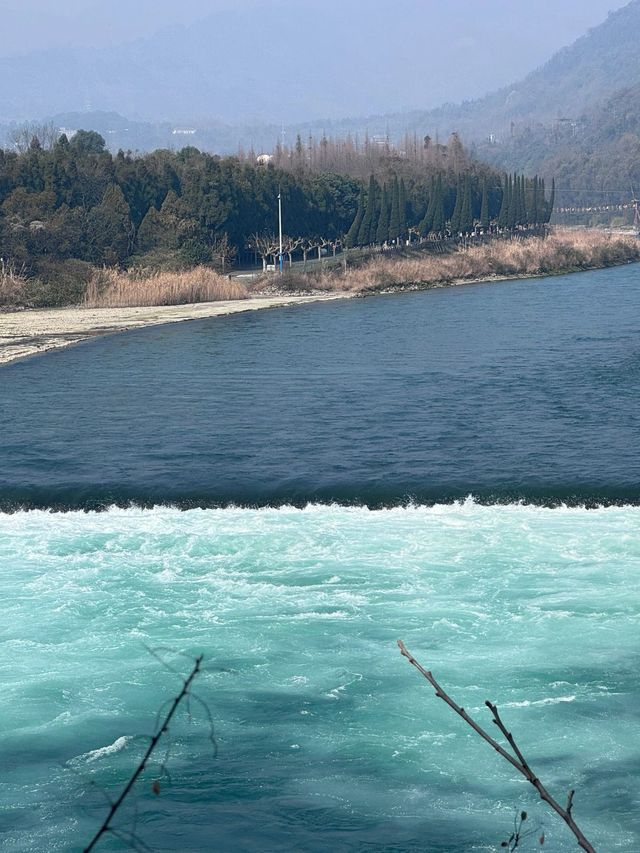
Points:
586	497
453	508
102	752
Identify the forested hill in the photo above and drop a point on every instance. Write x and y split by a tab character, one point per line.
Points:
595	157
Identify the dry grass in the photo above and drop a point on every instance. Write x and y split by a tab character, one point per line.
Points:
13	284
562	251
113	289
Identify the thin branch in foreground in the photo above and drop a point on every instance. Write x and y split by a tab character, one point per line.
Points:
160	731
517	760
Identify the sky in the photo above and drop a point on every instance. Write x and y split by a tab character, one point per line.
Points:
434	51
541	27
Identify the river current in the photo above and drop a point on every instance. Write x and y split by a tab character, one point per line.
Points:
288	493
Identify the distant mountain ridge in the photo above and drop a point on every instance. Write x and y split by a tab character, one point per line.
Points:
603	61
179	80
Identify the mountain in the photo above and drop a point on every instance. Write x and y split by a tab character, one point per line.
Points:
281	62
598	64
594	157
286	61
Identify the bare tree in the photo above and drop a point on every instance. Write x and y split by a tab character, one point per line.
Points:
266	246
289	246
308	245
516	759
33	135
223	252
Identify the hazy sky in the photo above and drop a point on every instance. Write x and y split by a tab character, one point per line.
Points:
540	27
435	50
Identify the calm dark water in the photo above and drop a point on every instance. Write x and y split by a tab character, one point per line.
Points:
507	391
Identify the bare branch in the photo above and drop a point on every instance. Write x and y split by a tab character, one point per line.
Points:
519	762
163	728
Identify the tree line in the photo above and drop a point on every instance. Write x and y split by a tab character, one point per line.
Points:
68	205
472	204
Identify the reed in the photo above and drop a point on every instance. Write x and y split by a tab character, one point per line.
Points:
111	288
562	251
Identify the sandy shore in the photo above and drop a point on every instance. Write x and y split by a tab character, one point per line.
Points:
28	333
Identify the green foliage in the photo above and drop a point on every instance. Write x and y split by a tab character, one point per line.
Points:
354	231
485	218
75	200
382	233
394	220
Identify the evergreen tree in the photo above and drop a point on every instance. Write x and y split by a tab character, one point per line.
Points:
426	223
402	204
375	219
457	210
151	231
522	201
466	212
503	216
552	202
394	221
485	220
532	202
383	222
438	223
512	213
354	230
364	233
111	227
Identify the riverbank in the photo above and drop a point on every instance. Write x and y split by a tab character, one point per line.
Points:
32	332
561	252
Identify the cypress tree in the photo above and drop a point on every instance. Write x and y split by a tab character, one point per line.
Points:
377	210
485	221
457	210
522	204
402	203
466	212
352	233
394	222
540	209
512	211
552	201
383	222
369	213
503	216
532	202
438	222
426	224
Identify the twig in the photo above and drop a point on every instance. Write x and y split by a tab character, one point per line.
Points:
162	729
519	761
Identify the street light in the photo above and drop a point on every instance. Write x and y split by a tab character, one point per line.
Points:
280	224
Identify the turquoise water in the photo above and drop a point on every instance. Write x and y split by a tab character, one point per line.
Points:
285	492
327	738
